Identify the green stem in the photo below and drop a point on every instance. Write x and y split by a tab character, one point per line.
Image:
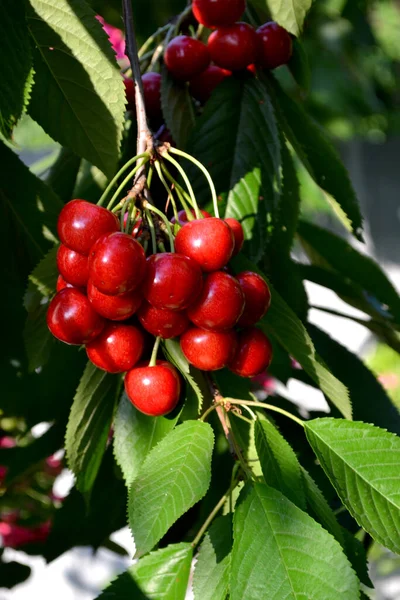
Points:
152	230
165	221
263	405
169	191
150	176
187	182
125	182
118	175
180	193
153	358
210	409
237	449
152	38
123	211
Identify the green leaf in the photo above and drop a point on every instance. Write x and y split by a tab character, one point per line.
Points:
299	66
16	75
89	424
362	463
175	475
43	277
279	463
77	82
177	107
135	434
194	378
303	560
162	575
211	573
356	554
38	340
288	13
63	174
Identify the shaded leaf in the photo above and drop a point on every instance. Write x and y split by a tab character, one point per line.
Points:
43	278
194	377
211	573
63	174
39	342
288	13
299	66
177	107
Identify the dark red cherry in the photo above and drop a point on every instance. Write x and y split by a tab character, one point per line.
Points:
172	281
81	223
220	303
72	319
208	350
117	349
209	242
253	355
274	45
162	321
74	267
154	390
117	264
238	234
62	284
152	94
182	216
233	47
218	13
129	93
115	308
185	57
257	298
202	85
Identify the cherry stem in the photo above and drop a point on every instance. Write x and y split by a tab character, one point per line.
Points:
123	211
167	224
153	359
271	407
246	469
152	39
187	182
168	189
180	193
150	222
118	175
150	176
125	182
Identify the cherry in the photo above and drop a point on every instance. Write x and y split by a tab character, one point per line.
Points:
233	47
162	321
129	93
172	281
117	264
216	13
220	303
257	297
72	319
182	216
185	57
115	308
238	234
117	349
81	223
137	226
62	284
152	94
154	390
254	353
208	350
274	45
202	86
210	242
74	267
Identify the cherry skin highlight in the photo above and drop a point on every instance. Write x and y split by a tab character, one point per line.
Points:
233	47
74	267
182	216
162	321
257	297
210	242
115	308
185	57
202	86
81	223
154	390
172	281
117	349
220	303
152	94
218	13
253	355
117	264
71	318
238	234
208	350
62	284
274	45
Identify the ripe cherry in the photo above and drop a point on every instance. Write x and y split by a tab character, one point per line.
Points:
274	45
81	223
152	95
233	47
74	267
162	321
182	216
238	234
210	242
72	319
117	349
154	390
257	297
129	93
208	350
62	284
117	264
218	13
253	355
172	281
202	85
185	57
115	308
220	303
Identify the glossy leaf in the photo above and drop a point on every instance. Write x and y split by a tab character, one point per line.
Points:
289	13
177	107
211	573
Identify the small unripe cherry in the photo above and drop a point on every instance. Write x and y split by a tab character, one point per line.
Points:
208	350
233	47
115	308
238	234
218	13
71	318
162	321
202	86
257	297
74	267
210	242
117	349
154	391
253	355
182	216
274	45
185	57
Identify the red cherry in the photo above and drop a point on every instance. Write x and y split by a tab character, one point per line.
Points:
238	234
117	349
172	281
129	93
209	242
117	264
62	284
74	267
152	94
233	47
254	353
219	305
185	57
162	321
274	45
115	308
154	390
208	350
81	223
202	86
257	298
182	216
216	13
137	226
72	319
